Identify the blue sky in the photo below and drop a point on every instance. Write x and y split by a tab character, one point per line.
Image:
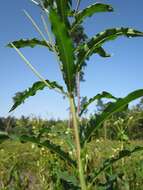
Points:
120	74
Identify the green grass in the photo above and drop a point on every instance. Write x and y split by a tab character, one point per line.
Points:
25	167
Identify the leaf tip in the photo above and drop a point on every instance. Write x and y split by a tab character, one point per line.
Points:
110	8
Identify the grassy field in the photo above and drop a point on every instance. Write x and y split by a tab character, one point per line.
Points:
26	167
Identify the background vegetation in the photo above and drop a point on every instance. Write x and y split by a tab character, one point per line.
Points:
26	166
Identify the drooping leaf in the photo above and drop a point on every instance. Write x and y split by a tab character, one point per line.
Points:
52	147
65	48
108	162
20	97
97	97
30	43
100	51
110	110
87	49
89	11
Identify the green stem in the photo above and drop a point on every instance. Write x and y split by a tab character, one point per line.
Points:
77	141
78	93
33	69
36	27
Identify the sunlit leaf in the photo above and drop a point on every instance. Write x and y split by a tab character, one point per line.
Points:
66	49
20	97
97	97
100	51
89	11
30	43
110	110
87	49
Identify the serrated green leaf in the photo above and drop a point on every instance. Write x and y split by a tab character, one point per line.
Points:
100	51
87	49
20	97
30	43
52	147
97	97
65	48
110	110
89	11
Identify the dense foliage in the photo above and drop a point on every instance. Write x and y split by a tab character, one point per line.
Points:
130	121
25	166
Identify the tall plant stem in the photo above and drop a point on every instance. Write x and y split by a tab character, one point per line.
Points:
33	69
78	92
77	141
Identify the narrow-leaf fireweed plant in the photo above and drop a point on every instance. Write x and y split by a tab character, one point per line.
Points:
72	49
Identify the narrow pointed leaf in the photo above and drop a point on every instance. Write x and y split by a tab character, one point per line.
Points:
89	11
100	51
52	147
110	110
22	43
20	97
65	48
87	49
97	97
